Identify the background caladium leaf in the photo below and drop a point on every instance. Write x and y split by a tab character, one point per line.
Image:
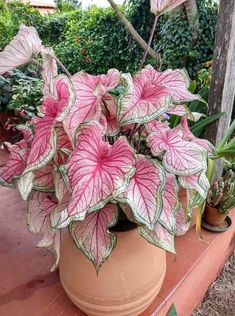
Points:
21	49
198	182
180	110
63	146
25	184
43	146
26	131
188	135
170	203
160	7
182	222
16	163
43	178
145	190
49	71
89	93
109	109
40	207
175	81
65	97
156	125
180	157
92	235
51	241
159	237
97	172
142	101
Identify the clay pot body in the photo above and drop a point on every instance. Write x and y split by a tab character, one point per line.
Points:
213	217
126	284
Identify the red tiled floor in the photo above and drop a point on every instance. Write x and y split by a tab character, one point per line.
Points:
28	288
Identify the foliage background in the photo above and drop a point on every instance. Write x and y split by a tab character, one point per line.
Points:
95	39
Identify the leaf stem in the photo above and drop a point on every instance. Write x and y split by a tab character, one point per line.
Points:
62	66
150	41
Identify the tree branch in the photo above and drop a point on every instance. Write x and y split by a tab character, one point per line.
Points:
132	31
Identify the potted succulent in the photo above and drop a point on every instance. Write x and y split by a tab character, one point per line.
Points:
100	163
220	199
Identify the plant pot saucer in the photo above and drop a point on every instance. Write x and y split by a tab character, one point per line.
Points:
218	229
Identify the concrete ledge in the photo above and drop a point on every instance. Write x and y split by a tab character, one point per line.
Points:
28	288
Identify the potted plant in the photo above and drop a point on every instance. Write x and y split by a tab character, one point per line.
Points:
100	163
220	199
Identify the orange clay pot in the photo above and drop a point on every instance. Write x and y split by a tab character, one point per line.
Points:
126	284
213	217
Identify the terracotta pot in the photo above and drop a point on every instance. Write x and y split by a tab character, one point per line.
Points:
213	217
126	284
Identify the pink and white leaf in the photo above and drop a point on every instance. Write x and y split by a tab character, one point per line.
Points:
156	125
26	131
188	135
142	101
49	71
179	156
97	172
50	241
180	110
20	50
43	178
159	237
16	163
198	182
39	207
111	79
63	146
25	184
182	222
43	145
109	109
89	93
170	203
160	7
92	235
144	191
175	81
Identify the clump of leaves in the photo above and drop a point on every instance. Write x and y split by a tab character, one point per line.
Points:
100	143
222	193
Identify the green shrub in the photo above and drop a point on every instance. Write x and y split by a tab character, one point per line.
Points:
174	38
95	40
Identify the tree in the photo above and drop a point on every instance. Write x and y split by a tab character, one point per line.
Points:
193	18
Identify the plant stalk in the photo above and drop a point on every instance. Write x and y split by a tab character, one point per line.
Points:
150	41
226	135
62	66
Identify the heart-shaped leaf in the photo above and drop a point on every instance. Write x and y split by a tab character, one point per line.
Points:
159	237
145	190
179	156
142	101
21	49
92	235
170	203
96	171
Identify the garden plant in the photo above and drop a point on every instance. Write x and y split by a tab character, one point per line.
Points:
102	155
101	142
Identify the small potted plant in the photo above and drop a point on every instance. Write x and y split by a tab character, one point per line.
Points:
100	161
221	198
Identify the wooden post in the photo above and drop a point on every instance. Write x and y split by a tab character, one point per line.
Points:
222	89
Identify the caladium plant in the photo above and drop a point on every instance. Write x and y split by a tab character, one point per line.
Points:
101	146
